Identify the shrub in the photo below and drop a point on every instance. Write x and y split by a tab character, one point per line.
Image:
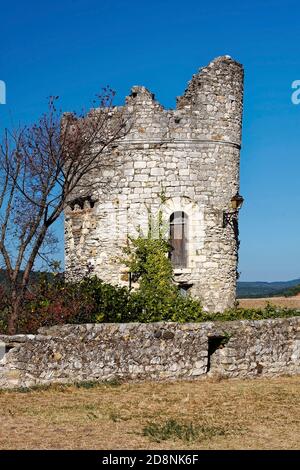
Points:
158	297
88	301
107	303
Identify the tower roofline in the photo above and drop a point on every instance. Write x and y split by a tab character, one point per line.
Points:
141	92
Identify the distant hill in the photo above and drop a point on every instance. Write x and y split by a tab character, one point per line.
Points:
267	289
34	277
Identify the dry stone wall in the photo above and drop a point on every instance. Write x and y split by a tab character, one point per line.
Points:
153	351
190	153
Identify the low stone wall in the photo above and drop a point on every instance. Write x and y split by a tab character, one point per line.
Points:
154	351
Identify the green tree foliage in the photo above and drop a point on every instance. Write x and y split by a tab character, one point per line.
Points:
157	297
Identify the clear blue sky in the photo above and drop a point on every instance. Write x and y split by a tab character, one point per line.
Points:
72	48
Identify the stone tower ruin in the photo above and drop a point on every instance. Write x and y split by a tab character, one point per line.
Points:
192	154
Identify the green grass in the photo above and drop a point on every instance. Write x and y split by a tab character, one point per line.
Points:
172	429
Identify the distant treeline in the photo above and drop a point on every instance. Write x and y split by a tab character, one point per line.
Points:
268	289
35	277
289	292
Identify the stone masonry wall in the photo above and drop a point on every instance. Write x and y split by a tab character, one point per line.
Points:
153	351
190	153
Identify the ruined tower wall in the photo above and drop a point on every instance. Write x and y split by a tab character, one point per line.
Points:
192	154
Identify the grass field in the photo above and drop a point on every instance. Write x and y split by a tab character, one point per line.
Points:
289	302
204	414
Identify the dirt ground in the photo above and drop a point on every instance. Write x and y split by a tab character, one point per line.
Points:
290	302
202	414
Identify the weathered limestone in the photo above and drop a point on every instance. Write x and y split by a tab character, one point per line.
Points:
152	351
190	153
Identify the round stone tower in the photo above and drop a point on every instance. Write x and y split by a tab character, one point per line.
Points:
191	154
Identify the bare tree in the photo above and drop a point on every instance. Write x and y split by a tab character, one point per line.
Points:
40	167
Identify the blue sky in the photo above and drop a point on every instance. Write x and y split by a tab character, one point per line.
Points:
72	48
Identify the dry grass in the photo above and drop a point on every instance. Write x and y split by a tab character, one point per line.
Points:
289	302
205	414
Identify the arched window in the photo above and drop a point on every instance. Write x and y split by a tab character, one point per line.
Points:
178	239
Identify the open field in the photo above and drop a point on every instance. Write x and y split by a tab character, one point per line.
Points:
205	414
290	302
